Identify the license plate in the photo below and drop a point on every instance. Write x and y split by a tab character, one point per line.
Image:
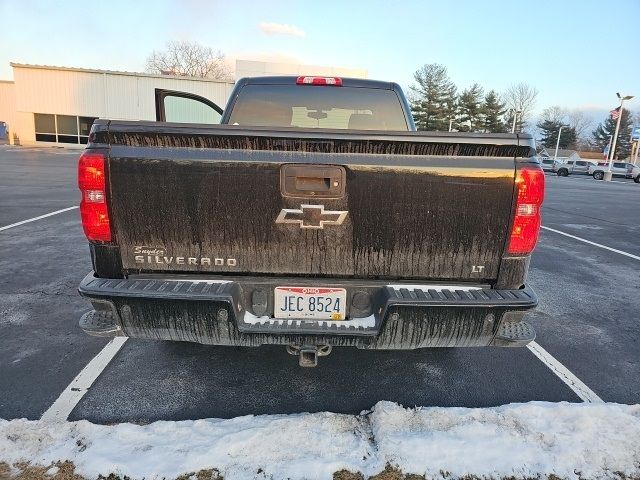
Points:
314	303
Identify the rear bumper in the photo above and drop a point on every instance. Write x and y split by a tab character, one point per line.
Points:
237	312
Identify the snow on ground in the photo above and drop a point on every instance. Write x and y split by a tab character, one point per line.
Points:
522	440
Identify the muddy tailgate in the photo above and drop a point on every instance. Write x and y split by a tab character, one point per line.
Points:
223	199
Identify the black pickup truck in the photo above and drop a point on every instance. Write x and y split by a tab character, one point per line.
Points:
308	214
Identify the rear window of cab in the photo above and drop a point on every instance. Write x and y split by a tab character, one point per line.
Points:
305	106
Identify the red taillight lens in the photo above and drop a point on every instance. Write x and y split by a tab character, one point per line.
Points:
527	219
329	81
93	205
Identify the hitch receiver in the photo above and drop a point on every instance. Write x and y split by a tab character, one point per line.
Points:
308	354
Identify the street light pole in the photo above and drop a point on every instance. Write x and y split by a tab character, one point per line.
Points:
555	155
515	116
609	148
608	175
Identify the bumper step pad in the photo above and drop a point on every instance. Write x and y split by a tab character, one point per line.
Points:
514	334
99	323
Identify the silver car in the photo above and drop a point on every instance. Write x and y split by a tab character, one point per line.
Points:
618	169
574	167
548	164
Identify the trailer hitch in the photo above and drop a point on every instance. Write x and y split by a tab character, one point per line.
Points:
308	354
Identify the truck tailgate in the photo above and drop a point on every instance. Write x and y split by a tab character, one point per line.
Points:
188	199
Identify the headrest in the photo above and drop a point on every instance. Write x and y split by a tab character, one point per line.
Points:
363	121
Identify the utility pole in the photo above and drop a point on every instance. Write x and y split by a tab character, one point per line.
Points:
608	174
450	123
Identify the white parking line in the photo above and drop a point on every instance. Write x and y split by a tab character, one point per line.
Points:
7	227
630	255
69	398
563	373
619	181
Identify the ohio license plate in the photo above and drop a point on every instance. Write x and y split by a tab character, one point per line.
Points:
314	303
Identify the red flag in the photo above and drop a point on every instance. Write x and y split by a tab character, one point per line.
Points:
615	113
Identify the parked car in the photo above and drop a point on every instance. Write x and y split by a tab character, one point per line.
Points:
548	164
618	169
314	215
574	167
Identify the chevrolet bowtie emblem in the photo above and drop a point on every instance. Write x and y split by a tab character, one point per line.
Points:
311	216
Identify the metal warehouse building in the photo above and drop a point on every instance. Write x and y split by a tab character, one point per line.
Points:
46	105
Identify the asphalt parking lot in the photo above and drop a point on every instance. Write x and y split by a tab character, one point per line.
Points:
588	321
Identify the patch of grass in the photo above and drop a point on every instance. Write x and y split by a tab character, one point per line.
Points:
25	471
112	476
394	473
389	473
347	475
5	470
209	474
66	471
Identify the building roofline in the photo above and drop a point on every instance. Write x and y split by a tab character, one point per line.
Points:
115	72
563	150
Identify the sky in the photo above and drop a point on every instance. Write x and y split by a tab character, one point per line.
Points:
578	54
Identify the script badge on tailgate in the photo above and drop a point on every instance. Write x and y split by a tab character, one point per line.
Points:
311	216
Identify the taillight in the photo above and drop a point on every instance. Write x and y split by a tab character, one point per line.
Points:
329	81
93	205
526	222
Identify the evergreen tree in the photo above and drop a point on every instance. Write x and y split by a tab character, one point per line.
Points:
493	110
549	134
606	129
470	108
433	98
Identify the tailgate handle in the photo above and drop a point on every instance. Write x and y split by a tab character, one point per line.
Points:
313	184
312	181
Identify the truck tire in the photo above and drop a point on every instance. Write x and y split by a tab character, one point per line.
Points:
637	179
563	172
598	175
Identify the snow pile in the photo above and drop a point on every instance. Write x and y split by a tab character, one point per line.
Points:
286	446
522	440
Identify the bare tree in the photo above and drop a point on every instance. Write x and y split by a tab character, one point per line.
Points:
188	59
520	97
580	122
577	120
554	114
